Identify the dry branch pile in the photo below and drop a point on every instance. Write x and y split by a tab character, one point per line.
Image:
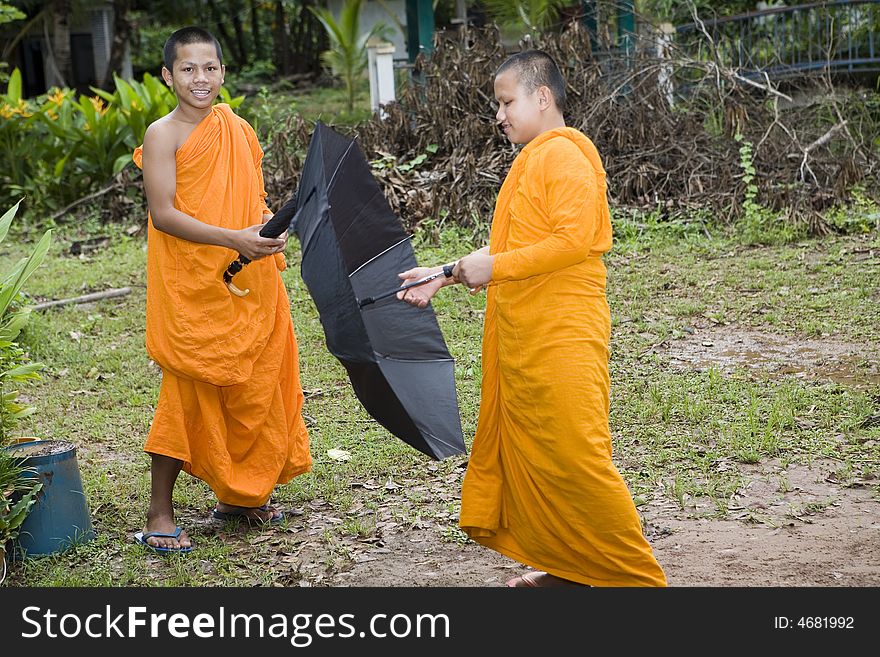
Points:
811	141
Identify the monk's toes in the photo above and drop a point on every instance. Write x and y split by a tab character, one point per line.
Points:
162	539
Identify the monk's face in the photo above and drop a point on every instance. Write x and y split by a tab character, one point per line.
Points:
197	75
520	113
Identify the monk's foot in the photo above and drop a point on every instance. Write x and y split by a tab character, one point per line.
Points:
267	513
176	538
540	579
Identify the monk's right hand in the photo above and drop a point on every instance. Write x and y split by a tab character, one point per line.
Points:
420	295
251	245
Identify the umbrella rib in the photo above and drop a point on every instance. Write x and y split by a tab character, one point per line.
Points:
408	237
416	360
339	165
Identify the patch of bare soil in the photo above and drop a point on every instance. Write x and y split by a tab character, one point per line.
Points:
729	347
788	526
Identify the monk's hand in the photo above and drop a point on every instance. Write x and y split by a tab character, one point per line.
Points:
420	295
250	244
474	270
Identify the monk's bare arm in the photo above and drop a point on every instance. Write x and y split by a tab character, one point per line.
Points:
160	182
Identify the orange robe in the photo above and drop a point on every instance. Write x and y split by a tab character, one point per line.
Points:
230	403
540	486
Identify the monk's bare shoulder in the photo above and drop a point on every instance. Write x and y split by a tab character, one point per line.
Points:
160	140
167	134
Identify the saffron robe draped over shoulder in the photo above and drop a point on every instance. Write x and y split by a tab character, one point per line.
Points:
540	486
230	403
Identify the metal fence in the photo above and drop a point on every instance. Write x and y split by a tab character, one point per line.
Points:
788	41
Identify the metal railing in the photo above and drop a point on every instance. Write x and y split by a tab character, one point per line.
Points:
841	37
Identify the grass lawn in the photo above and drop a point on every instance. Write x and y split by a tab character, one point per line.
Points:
676	429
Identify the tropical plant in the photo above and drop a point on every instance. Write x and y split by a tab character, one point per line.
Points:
678	12
534	15
19	487
347	57
61	146
8	13
15	123
15	367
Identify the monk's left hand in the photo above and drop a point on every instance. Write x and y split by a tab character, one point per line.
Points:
249	243
474	270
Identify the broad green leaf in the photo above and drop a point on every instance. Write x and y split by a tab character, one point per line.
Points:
13	89
85	106
110	98
121	162
24	370
7	218
13	324
60	164
30	265
125	92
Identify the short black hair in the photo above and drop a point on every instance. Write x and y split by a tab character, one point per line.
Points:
184	36
536	68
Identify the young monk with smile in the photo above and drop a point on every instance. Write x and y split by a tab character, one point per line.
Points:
230	403
540	485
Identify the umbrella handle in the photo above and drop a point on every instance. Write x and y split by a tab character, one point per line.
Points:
234	267
238	292
447	272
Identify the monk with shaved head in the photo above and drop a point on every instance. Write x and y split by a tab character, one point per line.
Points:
540	486
230	402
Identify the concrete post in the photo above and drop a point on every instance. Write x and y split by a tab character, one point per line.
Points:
665	76
380	58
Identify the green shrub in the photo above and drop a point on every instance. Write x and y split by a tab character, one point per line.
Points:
15	366
60	147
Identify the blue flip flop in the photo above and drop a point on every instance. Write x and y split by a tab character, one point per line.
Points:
142	537
238	515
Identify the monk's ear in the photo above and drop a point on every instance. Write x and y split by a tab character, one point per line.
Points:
545	97
166	75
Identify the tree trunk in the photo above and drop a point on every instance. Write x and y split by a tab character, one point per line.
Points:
259	50
220	29
61	42
310	38
243	53
280	41
121	35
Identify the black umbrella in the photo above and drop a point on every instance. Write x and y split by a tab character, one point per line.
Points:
353	246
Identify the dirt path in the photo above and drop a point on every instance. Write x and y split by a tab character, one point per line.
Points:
788	525
816	533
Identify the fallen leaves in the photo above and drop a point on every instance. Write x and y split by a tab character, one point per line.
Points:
339	454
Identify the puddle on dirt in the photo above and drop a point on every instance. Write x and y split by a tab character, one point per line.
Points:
730	347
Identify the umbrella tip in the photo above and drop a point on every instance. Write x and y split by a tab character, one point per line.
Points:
237	292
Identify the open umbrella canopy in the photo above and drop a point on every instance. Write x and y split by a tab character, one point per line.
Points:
353	246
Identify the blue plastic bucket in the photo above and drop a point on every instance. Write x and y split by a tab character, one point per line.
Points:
60	516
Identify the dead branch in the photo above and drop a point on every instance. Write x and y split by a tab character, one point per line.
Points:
86	198
86	298
656	155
